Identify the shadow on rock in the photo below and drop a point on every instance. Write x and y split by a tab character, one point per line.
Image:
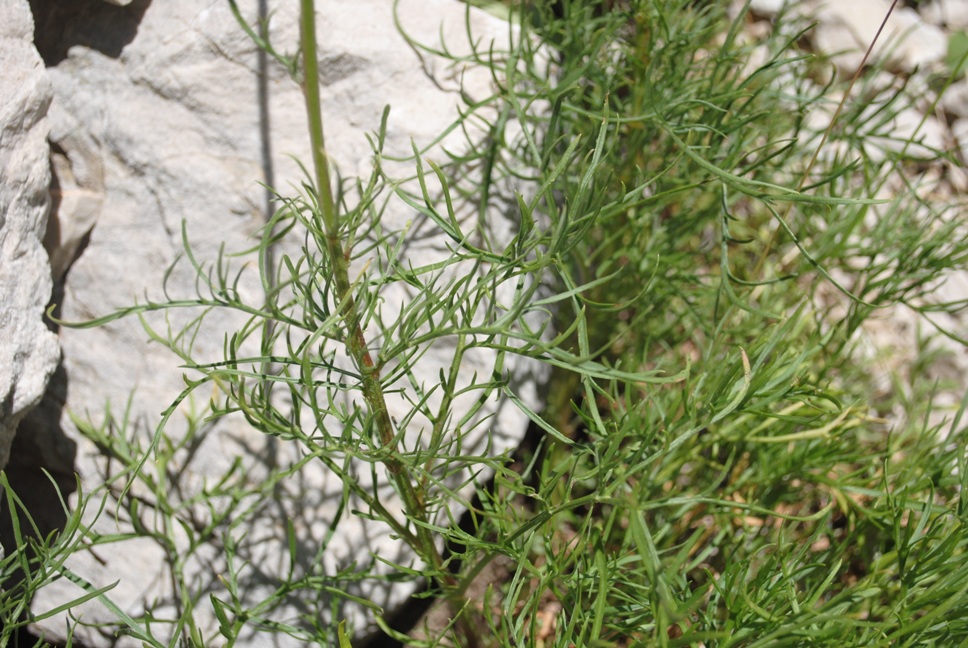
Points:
99	25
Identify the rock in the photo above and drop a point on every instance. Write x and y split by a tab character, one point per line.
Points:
955	100
959	129
77	190
768	8
166	130
911	133
28	350
951	14
846	29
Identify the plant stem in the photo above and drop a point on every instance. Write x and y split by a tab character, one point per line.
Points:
355	340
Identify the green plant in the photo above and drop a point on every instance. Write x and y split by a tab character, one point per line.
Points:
480	300
713	466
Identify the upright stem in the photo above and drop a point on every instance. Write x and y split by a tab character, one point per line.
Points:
346	304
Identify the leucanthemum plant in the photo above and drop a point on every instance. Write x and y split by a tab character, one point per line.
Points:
713	466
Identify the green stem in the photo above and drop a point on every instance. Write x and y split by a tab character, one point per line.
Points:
355	339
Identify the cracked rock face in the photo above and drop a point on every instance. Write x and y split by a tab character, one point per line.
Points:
159	122
28	350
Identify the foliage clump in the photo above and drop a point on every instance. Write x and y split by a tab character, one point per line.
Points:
715	465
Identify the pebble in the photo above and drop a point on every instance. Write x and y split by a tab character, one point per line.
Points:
959	129
846	29
952	14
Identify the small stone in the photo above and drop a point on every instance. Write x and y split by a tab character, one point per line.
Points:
908	133
950	14
768	8
955	99
846	29
957	177
959	129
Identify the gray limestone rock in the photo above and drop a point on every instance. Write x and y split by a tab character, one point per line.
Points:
176	127
28	350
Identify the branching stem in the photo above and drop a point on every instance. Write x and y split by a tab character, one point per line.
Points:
355	340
